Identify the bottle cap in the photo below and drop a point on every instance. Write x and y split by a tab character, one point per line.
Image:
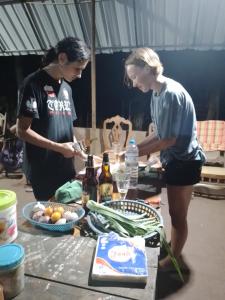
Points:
89	161
105	157
132	141
7	199
11	256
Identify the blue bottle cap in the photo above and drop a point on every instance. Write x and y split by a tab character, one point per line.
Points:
11	256
132	141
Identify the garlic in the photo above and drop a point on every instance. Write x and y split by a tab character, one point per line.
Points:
36	216
44	219
74	216
61	221
70	216
38	207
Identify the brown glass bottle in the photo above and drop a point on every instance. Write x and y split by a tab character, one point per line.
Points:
105	180
89	184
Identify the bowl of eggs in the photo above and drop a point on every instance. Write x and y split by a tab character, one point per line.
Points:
53	216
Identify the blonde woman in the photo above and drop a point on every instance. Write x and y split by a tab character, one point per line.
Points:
173	114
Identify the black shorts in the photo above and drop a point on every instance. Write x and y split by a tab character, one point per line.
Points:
178	172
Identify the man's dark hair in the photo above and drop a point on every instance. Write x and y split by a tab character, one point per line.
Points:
74	48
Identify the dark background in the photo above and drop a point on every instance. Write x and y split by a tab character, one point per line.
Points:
201	72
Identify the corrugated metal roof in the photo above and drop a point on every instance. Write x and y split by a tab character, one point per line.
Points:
31	27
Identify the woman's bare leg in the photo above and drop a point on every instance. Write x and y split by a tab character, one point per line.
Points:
179	199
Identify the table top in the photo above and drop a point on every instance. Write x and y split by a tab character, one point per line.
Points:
67	260
59	265
50	290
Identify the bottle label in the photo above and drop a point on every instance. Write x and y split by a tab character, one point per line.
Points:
105	191
92	191
85	198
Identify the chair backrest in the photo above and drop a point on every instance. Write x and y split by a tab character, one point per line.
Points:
2	124
211	135
120	131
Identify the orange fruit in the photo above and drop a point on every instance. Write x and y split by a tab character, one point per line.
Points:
59	209
48	211
55	216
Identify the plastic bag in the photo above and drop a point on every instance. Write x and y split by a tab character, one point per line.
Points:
69	192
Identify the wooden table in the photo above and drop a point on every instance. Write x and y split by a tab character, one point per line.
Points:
216	173
212	183
58	266
65	262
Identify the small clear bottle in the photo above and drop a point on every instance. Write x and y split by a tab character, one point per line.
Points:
131	162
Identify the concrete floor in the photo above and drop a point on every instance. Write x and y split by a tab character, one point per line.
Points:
204	251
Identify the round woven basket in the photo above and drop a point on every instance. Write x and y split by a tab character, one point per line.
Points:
130	207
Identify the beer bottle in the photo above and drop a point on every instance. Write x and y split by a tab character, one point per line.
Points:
105	180
89	184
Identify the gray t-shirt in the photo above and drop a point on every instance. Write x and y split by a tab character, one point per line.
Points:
173	114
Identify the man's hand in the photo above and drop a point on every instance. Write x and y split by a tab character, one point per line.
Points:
67	150
78	151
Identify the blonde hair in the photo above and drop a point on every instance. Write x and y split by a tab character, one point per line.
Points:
143	57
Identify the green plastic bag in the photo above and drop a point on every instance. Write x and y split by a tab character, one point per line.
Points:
69	192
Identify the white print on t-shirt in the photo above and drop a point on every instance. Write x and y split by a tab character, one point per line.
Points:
57	105
31	104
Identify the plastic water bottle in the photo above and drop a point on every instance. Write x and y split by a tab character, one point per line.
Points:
131	162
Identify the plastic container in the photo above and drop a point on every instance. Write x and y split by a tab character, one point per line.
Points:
8	221
12	269
131	162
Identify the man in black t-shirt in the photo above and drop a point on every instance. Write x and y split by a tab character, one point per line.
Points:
45	117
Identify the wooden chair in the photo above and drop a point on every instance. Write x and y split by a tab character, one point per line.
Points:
2	125
120	131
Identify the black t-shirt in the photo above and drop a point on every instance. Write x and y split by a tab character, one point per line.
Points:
51	107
